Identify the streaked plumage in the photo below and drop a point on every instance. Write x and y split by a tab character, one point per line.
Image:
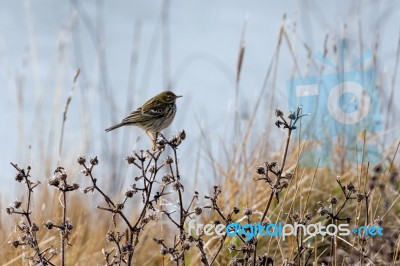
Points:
154	115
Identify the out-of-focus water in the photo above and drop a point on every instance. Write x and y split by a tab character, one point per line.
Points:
191	45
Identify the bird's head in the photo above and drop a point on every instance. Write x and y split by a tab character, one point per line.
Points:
168	97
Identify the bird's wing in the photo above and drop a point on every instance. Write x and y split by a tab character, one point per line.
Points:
133	117
153	108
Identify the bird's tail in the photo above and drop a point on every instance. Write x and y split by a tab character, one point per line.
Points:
114	127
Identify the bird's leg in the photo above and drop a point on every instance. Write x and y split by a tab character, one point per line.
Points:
153	138
154	134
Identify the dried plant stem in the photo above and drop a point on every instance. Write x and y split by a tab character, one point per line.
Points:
24	176
276	186
66	111
273	190
64	215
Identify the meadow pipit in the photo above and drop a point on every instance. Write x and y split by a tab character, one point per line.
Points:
153	116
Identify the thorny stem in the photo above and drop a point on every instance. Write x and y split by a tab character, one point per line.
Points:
94	182
114	210
106	198
144	209
26	213
290	126
63	231
182	210
148	191
273	191
146	167
226	220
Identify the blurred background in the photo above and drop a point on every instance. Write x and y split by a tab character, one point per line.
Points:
128	51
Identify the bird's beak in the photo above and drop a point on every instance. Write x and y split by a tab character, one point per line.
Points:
179	96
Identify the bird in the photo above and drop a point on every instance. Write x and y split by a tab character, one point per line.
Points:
153	116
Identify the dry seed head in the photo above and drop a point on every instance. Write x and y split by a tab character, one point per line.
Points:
129	194
271	165
161	142
69	225
81	160
288	175
260	170
169	160
295	216
34	228
378	168
166	178
278	113
173	139
333	200
351	187
322	211
283	183
153	216
152	169
185	246
248	211
55	181
292	116
308	216
15	243
94	161
196	195
176	186
360	197
164	251
49	225
146	220
198	210
216	222
110	236
279	123
63	176
16	204
130	159
126	248
19	177
182	135
9	210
